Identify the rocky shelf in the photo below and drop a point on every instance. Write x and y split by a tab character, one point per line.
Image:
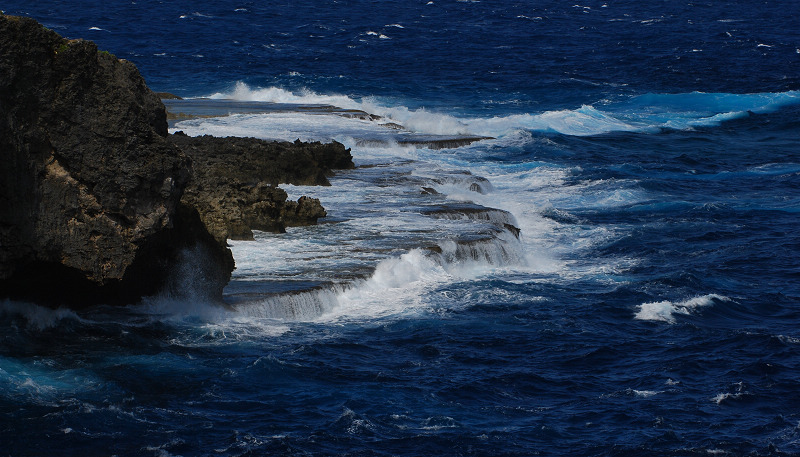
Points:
235	180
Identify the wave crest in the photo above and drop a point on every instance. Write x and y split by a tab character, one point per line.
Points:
665	311
646	113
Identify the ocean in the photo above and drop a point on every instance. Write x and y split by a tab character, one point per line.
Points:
613	270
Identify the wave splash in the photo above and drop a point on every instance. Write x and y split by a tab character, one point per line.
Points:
396	284
648	113
665	311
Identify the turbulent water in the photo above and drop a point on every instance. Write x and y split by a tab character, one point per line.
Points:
614	270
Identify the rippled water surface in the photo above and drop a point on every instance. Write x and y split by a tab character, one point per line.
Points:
611	271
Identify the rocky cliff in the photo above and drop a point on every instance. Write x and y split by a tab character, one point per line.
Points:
98	204
90	187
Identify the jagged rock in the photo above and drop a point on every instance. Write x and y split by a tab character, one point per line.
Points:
252	161
232	210
168	96
234	183
89	185
305	211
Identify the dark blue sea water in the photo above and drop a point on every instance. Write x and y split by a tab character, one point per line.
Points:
648	152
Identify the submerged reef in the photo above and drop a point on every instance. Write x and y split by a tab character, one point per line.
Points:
98	204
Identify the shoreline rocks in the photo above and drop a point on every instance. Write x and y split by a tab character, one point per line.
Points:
234	186
90	187
98	204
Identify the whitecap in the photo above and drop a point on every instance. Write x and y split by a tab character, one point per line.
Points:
788	339
646	393
439	423
719	398
665	311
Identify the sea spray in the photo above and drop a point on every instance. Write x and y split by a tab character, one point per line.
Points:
395	285
37	317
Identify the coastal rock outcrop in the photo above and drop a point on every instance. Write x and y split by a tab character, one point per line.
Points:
90	187
252	160
235	179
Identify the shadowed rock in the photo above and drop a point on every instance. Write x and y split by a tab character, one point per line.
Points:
89	185
252	161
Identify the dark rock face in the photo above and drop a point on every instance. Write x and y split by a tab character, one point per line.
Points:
234	182
250	160
90	187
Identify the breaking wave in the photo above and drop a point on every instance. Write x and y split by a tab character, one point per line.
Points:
665	311
397	283
646	113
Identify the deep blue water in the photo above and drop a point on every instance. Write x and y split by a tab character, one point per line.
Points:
649	153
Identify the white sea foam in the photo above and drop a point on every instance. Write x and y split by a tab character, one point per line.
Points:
719	398
665	310
284	126
788	339
523	195
196	14
646	393
244	92
738	392
646	113
439	423
583	121
396	285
